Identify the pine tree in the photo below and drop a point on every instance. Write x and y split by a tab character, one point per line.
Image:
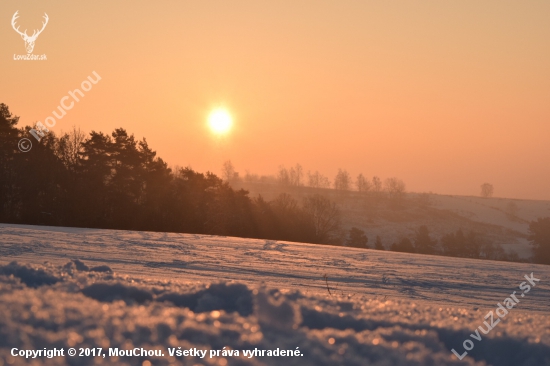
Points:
378	244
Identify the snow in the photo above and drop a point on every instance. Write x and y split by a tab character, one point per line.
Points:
69	287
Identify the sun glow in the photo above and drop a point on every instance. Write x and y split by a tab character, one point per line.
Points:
220	121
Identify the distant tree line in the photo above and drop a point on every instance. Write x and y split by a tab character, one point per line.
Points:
461	244
294	177
115	181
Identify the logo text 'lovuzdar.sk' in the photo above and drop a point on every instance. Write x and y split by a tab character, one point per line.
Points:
29	40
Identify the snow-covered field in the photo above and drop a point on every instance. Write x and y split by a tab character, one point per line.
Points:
333	305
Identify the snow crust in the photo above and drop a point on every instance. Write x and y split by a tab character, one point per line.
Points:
373	309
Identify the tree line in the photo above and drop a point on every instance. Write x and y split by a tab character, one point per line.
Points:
118	182
343	181
463	244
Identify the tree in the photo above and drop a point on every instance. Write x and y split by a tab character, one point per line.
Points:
540	240
342	181
282	176
395	188
7	120
8	164
8	137
487	190
460	245
317	180
362	184
228	172
488	250
376	185
290	177
295	175
499	253
116	181
423	243
404	245
513	256
357	238
472	245
378	244
69	148
453	243
325	217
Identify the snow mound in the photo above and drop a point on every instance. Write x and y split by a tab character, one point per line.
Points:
28	275
222	296
110	292
69	306
80	266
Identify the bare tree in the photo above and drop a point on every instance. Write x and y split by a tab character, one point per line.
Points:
395	188
342	181
295	175
283	177
228	172
317	180
290	177
487	190
285	202
376	184
325	217
70	147
250	177
362	184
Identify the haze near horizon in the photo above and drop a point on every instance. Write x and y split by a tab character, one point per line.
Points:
444	95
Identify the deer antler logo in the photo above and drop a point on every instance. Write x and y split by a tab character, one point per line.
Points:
29	40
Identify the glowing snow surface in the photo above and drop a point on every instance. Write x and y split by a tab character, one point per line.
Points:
162	290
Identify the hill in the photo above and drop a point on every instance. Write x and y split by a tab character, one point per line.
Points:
500	221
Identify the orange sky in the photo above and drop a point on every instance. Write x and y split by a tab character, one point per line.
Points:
443	94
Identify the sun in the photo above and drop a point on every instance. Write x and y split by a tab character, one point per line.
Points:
220	121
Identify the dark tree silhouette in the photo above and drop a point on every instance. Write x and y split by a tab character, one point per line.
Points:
115	181
324	216
540	239
357	238
460	245
342	181
378	244
487	190
423	244
404	245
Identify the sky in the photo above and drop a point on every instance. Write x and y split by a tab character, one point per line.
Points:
445	95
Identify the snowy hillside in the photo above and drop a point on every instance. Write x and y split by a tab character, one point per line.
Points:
492	218
329	305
